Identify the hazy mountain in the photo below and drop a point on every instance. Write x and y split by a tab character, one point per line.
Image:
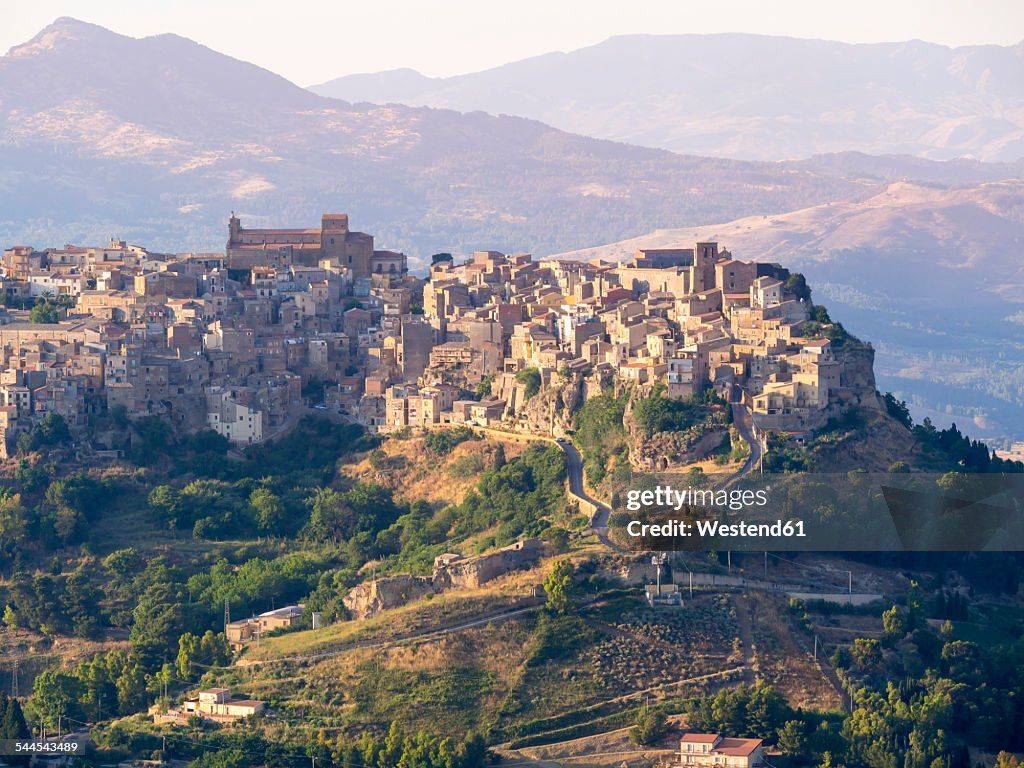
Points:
932	275
157	139
747	96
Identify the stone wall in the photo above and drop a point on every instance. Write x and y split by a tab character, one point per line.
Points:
450	572
473	572
372	597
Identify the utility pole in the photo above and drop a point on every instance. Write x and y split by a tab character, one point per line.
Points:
14	680
766	566
851	581
227	614
815	647
657	561
728	554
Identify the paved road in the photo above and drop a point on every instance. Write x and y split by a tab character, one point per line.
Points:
574	469
744	423
574	472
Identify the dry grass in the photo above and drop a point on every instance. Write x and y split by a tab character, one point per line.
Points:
608	749
417	616
413	472
783	654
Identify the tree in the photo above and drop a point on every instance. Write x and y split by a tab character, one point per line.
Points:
121	562
483	389
792	740
53	430
557	539
224	758
44	312
214	649
560	586
268	510
649	727
898	409
819	314
55	695
188	651
866	653
915	607
331	517
167	503
893	624
13	726
796	284
131	689
765	711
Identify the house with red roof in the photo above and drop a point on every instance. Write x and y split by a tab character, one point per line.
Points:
713	749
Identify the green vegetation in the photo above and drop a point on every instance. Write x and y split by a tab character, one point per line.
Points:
954	448
660	413
599	432
821	326
650	727
51	432
785	454
44	312
530	379
796	284
560	587
522	497
483	389
442	441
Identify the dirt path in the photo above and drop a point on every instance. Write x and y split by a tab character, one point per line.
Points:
427	633
746	639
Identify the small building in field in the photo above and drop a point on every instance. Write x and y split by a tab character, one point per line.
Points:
214	704
713	749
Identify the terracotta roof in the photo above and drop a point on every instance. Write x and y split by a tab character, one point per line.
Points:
702	738
737	747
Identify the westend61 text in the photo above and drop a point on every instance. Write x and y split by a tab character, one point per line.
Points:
713	528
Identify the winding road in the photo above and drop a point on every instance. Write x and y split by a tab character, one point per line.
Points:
574	470
744	423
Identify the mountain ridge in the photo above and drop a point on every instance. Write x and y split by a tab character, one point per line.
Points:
181	138
746	96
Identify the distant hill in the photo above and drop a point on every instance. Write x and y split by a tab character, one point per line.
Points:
747	96
156	140
930	274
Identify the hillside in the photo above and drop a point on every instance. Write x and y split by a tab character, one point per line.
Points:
915	268
156	140
746	96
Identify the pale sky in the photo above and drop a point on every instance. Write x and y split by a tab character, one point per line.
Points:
310	41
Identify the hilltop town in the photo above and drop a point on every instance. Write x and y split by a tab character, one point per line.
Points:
244	342
405	503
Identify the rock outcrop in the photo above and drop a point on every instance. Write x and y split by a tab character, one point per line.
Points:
372	597
451	571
